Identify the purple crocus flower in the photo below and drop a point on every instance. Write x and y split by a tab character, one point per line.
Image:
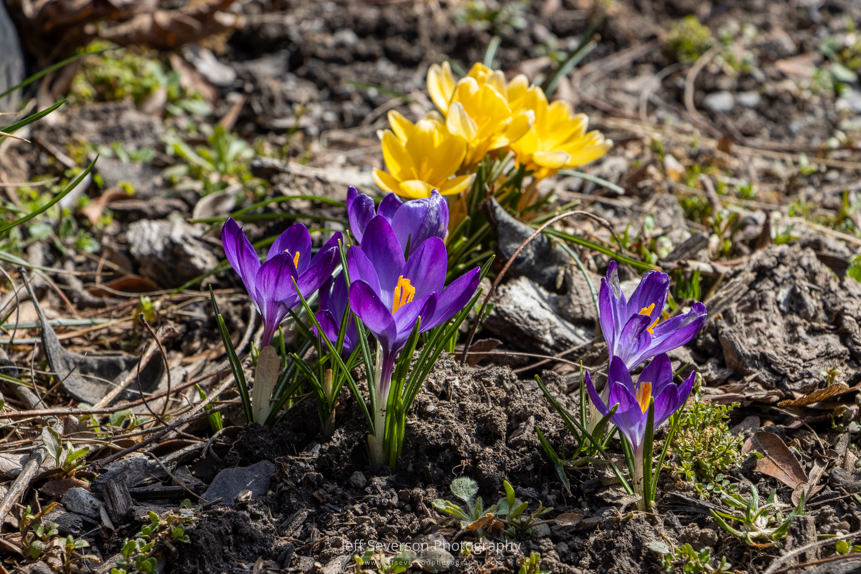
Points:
333	297
633	399
412	221
389	294
270	284
632	329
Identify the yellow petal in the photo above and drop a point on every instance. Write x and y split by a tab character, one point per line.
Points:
401	126
496	80
551	159
519	126
441	85
397	158
466	89
590	153
457	184
517	88
479	71
527	145
386	182
459	123
415	189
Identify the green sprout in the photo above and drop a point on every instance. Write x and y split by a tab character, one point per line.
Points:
532	565
139	555
466	490
383	564
685	559
704	447
688	39
68	459
759	526
512	513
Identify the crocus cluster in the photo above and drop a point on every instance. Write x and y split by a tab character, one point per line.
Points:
635	332
480	114
396	272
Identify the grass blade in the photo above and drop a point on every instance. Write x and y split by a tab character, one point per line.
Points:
235	363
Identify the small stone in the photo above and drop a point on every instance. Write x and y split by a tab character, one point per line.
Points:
68	522
230	482
749	99
849	101
721	102
561	548
80	501
306	563
434	559
358	480
169	252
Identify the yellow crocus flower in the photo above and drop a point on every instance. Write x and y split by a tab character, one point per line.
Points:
421	157
558	138
477	109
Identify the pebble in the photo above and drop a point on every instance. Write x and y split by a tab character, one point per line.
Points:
230	482
434	559
749	99
80	501
721	102
358	480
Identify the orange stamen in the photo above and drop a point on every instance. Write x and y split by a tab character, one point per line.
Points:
296	260
404	293
648	311
644	394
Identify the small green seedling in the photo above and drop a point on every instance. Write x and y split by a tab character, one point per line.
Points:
466	490
759	526
382	564
685	559
68	459
532	565
512	512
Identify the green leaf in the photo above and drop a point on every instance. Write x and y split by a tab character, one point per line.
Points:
464	488
235	363
53	443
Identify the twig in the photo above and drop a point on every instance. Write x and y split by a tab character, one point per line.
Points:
175	479
127	380
164	358
689	88
773	569
514	256
22	482
180	421
555	357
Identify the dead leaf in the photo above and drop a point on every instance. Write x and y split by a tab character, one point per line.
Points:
817	396
568	519
487	522
57	488
125	284
810	486
802	66
777	461
94	209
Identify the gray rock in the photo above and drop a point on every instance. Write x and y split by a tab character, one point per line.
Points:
12	62
849	101
169	252
527	316
721	102
205	62
358	480
749	99
231	481
80	501
68	522
143	177
435	559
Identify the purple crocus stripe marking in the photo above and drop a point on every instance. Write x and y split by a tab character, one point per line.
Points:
632	328
270	284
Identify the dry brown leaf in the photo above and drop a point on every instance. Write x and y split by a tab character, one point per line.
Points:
777	461
487	522
817	396
94	209
812	485
568	519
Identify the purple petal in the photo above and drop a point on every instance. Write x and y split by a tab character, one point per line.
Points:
360	212
385	253
328	324
374	314
361	269
426	267
666	403
241	255
295	240
420	219
652	290
631	340
454	298
629	417
275	279
389	206
606	315
406	316
672	334
322	266
596	398
659	373
619	374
